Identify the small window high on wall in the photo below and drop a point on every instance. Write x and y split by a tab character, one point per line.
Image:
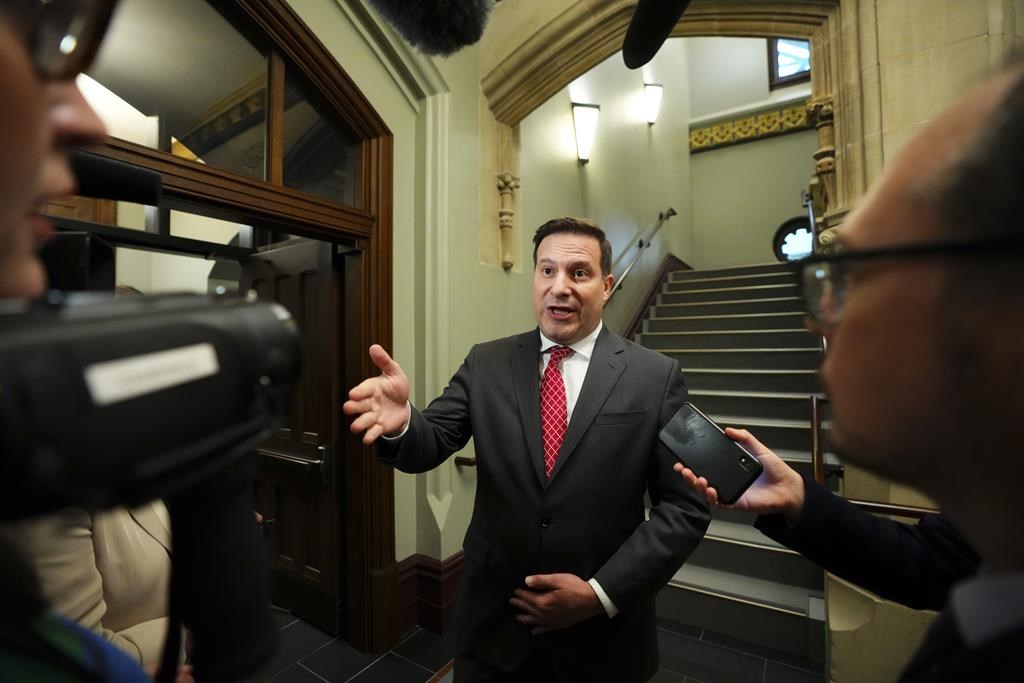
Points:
789	62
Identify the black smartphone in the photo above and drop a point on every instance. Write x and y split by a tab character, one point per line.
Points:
702	446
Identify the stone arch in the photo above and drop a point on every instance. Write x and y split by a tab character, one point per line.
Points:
589	31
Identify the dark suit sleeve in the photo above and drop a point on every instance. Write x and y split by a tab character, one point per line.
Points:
646	561
911	564
443	428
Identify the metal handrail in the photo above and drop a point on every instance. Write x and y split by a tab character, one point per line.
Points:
641	245
818	466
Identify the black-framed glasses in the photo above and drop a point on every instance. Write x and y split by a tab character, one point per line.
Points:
62	36
823	279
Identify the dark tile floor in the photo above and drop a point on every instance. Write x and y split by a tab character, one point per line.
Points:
688	655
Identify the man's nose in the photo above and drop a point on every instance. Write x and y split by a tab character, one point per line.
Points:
561	284
74	122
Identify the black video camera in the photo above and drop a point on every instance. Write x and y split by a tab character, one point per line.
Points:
106	402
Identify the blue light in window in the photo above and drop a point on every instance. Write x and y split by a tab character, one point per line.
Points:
792	56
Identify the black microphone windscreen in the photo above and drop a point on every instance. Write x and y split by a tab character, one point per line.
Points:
652	23
105	178
437	27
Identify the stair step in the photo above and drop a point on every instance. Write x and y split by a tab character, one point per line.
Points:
798	633
728	379
750	589
717	294
702	274
741	549
754	405
751	359
731	281
783	304
744	321
724	339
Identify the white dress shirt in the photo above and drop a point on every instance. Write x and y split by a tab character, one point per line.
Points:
574	371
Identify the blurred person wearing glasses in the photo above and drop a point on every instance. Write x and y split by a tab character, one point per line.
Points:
923	311
43	46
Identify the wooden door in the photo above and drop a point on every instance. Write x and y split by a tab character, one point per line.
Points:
299	483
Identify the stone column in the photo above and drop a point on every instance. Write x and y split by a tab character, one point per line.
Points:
821	113
507	186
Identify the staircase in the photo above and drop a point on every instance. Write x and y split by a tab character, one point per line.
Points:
748	361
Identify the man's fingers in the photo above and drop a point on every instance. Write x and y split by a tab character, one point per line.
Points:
372	434
748	440
526	607
712	495
542	582
383	361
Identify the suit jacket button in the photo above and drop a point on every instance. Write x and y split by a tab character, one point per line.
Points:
545	522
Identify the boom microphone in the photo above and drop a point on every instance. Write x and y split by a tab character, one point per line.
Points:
652	23
437	27
105	178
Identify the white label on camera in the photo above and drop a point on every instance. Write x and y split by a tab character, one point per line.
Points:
125	378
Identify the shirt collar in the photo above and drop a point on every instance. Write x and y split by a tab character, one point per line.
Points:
584	347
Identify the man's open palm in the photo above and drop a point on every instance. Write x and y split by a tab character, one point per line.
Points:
380	403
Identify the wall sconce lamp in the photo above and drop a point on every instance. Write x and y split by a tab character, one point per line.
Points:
652	101
584	119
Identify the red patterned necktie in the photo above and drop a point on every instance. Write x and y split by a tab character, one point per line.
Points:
552	407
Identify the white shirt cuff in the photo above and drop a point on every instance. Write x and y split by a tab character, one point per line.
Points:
400	434
609	607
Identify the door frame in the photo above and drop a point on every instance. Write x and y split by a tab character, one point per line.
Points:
370	570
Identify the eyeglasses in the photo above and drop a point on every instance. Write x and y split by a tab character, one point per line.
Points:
62	36
823	279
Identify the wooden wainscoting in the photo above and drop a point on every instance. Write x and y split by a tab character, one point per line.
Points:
427	590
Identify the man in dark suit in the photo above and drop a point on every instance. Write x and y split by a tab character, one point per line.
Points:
561	565
924	315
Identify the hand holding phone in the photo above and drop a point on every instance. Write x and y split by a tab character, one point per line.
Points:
703	447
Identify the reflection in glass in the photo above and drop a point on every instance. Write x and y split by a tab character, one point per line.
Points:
321	154
793	56
179	77
153	272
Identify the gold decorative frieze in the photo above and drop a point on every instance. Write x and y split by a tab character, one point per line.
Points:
748	127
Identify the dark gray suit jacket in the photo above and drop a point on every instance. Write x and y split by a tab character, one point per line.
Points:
588	519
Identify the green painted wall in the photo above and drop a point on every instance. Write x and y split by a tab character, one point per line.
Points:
741	194
635	170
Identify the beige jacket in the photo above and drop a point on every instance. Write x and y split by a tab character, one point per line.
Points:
108	571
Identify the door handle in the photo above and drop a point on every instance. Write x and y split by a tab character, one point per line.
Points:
318	467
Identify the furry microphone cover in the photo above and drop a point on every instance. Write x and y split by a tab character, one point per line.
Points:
437	27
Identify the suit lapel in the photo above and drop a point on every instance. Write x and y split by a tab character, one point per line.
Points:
526	381
154	522
606	365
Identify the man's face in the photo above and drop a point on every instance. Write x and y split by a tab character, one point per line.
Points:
568	289
24	138
888	370
39	123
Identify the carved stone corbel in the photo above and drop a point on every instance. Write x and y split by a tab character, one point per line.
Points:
821	113
507	186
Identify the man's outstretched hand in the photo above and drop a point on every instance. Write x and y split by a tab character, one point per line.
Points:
554	601
778	489
380	403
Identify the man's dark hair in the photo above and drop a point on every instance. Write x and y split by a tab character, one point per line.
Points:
576	226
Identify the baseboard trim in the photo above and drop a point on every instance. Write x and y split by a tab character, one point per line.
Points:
426	592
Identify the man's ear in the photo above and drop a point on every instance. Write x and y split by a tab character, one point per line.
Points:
609	280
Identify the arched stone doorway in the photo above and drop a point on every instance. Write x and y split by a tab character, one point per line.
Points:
587	32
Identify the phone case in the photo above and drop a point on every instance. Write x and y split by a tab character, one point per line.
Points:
702	446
